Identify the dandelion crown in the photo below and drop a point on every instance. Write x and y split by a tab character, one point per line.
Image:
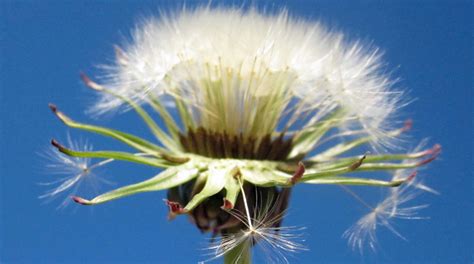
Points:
251	104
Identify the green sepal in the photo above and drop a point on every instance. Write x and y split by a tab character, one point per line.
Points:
369	159
317	173
169	178
265	177
185	116
155	129
388	166
116	155
131	140
339	149
355	181
308	137
216	179
170	123
346	146
232	188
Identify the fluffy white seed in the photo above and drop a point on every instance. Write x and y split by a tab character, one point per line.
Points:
234	68
75	171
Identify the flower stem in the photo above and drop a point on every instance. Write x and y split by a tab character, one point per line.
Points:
239	254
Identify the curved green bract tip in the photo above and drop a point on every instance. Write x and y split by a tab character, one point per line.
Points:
169	178
216	179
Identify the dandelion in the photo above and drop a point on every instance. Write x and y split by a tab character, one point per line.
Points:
248	101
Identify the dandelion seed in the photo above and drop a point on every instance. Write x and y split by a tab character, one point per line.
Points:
262	229
393	207
75	171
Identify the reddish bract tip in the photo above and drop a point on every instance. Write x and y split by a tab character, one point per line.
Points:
407	125
298	173
411	177
175	207
56	144
80	200
436	149
426	161
84	77
88	82
53	107
434	152
227	205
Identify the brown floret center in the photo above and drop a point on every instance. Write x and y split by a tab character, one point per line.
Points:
222	145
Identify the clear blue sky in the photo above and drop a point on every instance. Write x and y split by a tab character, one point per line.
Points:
45	44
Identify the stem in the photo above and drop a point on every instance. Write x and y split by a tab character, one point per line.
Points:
239	254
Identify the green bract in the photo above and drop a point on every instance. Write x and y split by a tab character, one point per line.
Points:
220	173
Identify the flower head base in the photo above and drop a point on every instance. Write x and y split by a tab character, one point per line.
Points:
246	100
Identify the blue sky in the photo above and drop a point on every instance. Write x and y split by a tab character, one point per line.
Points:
45	44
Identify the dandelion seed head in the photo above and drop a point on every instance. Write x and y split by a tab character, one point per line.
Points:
222	61
250	104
